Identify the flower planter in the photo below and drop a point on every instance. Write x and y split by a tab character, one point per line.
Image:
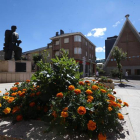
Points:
111	85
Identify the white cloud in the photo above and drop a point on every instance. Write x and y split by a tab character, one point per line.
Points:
116	24
97	32
100	49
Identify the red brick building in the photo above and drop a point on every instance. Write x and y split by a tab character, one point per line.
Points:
129	41
77	46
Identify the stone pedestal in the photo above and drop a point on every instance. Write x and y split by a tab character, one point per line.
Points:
15	71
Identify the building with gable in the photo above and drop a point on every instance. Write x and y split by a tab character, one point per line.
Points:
129	41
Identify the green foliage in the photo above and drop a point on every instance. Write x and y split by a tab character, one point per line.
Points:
101	71
96	109
105	80
119	55
56	76
115	73
37	57
19	98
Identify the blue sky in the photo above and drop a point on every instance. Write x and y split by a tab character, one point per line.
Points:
38	20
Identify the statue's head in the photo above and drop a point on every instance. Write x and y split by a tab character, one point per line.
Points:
13	28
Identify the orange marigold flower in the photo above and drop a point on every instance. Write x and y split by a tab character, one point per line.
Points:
125	104
101	137
32	94
93	80
119	105
87	82
38	93
94	87
109	108
120	116
90	97
19	92
81	83
32	104
0	91
60	95
112	103
0	105
65	109
54	114
5	97
91	125
111	97
64	114
17	83
119	100
7	110
14	88
71	88
11	99
77	91
15	109
81	110
103	90
14	94
88	91
22	94
89	100
27	81
24	89
6	93
19	118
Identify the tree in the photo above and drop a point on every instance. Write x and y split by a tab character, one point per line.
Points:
119	55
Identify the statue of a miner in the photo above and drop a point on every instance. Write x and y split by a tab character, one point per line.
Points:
12	44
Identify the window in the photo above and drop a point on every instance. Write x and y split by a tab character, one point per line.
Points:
77	38
137	71
86	53
57	53
111	59
56	42
50	46
67	50
77	51
66	40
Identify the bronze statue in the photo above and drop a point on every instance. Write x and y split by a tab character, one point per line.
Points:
12	44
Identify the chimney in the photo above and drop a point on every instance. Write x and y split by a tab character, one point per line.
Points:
61	32
57	34
127	15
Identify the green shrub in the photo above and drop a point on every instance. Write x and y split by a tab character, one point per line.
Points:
105	80
56	76
115	73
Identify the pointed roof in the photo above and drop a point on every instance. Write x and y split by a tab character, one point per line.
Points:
136	33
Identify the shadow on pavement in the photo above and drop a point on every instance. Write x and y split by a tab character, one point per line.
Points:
124	85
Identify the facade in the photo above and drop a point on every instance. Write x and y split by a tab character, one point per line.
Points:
77	46
45	51
129	41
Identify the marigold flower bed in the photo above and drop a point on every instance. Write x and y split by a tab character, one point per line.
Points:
89	108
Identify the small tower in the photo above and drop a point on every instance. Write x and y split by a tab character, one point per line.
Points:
127	16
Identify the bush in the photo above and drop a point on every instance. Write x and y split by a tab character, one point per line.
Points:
56	76
105	80
115	73
22	101
89	108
